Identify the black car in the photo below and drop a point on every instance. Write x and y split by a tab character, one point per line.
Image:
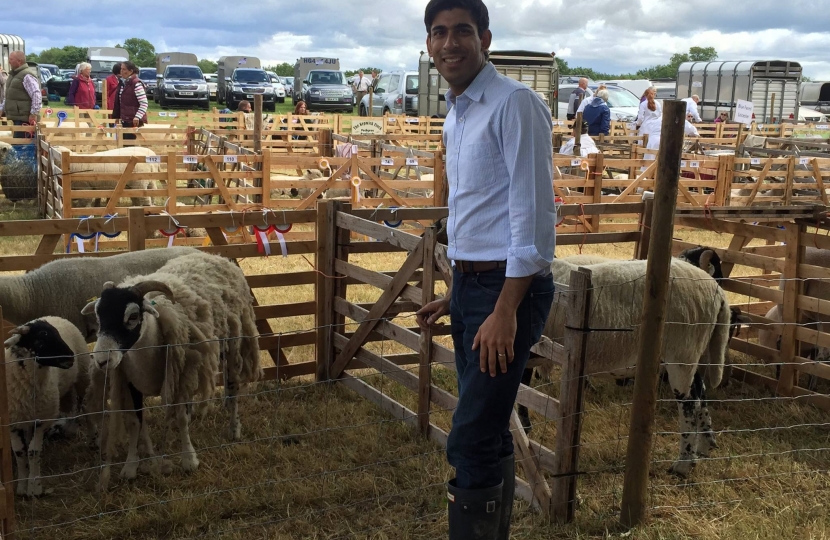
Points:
247	82
59	85
148	77
326	90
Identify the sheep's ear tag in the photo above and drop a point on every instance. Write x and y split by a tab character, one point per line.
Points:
148	307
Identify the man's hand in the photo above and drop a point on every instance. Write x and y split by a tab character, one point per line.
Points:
496	334
430	313
495	339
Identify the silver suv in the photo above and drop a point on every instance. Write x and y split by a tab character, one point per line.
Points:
396	92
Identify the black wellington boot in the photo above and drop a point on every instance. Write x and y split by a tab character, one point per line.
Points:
474	514
508	490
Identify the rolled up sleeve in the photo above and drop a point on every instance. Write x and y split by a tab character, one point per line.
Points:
528	153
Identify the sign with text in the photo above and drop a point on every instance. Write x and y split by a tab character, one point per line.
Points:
743	112
367	127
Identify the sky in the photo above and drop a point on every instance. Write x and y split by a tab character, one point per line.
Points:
615	36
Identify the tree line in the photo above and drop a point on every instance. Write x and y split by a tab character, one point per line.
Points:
661	71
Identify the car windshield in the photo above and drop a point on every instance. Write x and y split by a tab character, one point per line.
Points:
147	74
212	78
325	77
411	84
184	73
619	97
103	66
290	80
250	76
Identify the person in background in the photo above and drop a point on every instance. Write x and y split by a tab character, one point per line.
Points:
691	107
650	115
131	104
586	100
23	99
501	240
598	115
82	89
722	118
112	85
300	109
361	86
576	96
3	77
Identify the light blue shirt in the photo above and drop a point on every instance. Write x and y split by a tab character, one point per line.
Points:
500	172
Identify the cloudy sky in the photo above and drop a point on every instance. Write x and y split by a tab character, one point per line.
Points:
607	35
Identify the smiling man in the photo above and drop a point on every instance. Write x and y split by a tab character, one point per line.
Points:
501	239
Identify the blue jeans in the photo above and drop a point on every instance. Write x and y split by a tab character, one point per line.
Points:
480	435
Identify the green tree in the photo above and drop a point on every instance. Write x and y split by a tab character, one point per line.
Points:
703	54
141	51
66	57
366	71
669	71
284	70
207	66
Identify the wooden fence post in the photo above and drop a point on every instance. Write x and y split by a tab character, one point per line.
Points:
425	342
643	242
324	291
571	398
137	231
439	190
790	314
641	429
596	173
6	475
258	123
66	177
324	143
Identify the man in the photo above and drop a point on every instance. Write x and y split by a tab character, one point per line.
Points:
501	240
22	101
361	86
3	77
691	107
576	98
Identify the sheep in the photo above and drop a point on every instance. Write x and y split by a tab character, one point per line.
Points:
63	287
213	309
151	345
112	169
5	148
47	375
694	346
302	193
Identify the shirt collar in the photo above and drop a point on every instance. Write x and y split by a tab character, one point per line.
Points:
476	89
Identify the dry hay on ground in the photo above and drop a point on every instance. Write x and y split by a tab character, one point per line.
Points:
319	462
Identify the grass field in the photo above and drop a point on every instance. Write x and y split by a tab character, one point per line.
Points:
319	462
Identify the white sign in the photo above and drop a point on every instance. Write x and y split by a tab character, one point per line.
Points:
804	161
411	162
819	126
229	159
173	115
576	162
682	164
152	159
387	162
694	164
697	84
367	127
355	150
743	112
190	159
162	113
631	126
755	161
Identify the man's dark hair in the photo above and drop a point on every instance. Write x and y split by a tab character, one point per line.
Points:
476	8
116	68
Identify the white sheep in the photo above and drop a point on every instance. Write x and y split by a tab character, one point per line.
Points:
63	287
694	345
47	375
111	169
302	193
208	312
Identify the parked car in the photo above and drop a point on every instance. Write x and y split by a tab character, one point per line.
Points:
395	92
148	77
211	79
45	75
67	72
279	88
183	85
327	90
623	104
805	114
52	68
245	83
59	84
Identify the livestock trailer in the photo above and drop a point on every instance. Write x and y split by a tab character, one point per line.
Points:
815	95
224	70
174	59
537	70
9	44
306	64
771	85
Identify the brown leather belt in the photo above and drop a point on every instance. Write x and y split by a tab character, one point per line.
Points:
474	267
